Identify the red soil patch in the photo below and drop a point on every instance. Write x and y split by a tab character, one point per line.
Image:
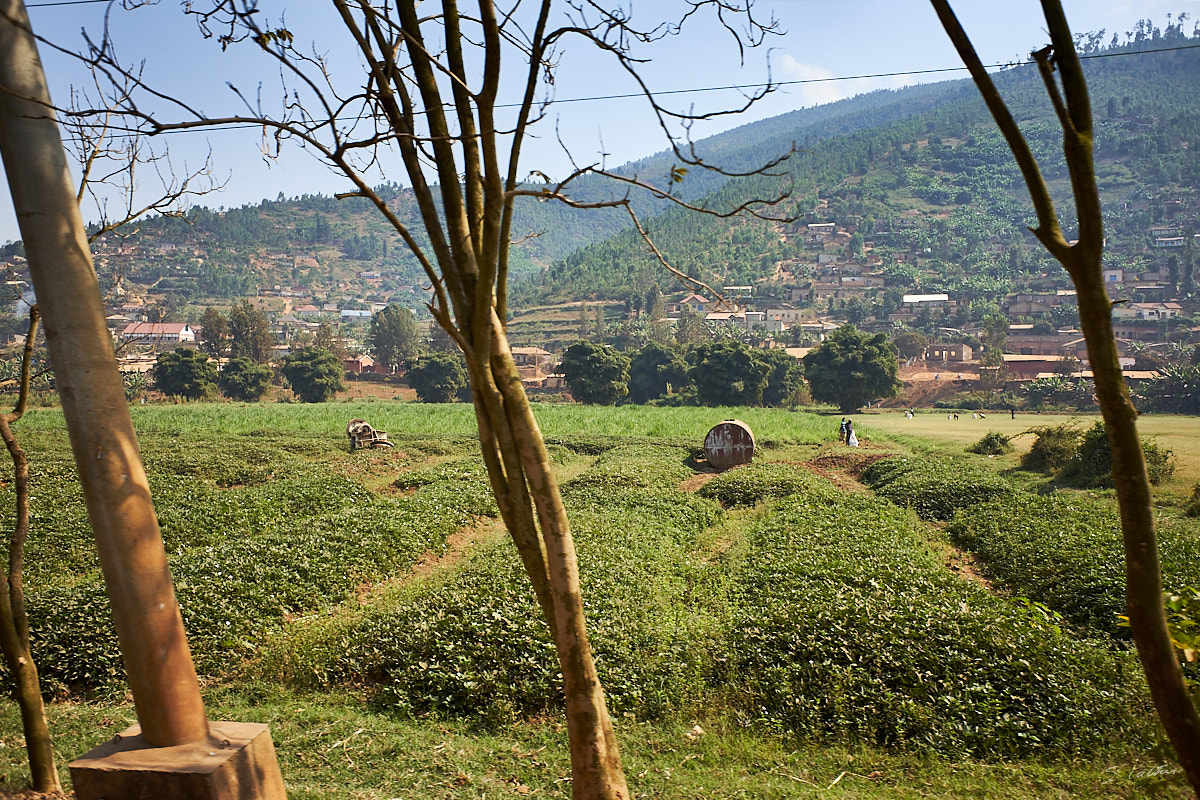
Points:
696	481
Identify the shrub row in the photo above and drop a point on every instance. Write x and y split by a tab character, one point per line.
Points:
755	483
296	538
477	645
849	630
1065	550
934	488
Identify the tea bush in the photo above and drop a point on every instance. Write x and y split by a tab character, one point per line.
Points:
752	484
636	466
296	538
1065	550
934	488
477	645
993	443
849	630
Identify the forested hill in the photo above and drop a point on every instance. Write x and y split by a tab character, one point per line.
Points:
921	171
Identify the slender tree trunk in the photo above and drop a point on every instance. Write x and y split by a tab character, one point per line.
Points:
531	506
132	557
14	624
1083	261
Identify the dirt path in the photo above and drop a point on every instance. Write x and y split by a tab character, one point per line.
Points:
458	545
843	471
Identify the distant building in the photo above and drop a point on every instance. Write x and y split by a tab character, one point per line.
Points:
158	333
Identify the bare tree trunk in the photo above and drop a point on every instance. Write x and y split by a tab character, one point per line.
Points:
14	624
149	626
1143	572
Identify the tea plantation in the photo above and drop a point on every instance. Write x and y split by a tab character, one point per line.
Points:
766	621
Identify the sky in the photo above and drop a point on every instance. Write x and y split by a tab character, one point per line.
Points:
827	50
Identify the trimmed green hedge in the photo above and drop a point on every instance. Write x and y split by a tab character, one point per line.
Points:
1065	550
934	488
285	537
477	645
849	630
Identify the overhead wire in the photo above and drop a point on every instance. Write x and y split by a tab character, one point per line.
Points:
701	89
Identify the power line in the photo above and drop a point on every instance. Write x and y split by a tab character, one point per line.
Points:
704	89
65	3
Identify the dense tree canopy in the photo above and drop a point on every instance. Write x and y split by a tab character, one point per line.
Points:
185	373
249	333
655	371
393	335
785	378
728	373
437	378
596	373
852	368
314	373
242	379
214	333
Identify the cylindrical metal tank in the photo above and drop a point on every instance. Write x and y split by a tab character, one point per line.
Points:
728	444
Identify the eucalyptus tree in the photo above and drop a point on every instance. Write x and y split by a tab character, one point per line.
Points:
1062	74
434	88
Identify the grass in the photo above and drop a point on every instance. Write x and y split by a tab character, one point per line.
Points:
648	552
930	430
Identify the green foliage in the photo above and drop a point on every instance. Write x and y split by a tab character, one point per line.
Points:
255	530
1053	446
728	373
214	333
851	368
477	645
848	629
911	344
934	488
993	443
249	333
437	378
751	484
314	373
1177	391
1065	550
393	336
655	371
185	373
1091	465
244	380
1183	621
596	373
785	379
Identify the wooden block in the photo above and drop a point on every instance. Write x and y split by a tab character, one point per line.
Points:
237	762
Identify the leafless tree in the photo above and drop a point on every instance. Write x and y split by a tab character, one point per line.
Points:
1063	77
113	161
431	93
14	624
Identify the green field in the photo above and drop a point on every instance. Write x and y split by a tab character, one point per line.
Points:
793	628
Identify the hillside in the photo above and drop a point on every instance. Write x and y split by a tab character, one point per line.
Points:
919	185
932	189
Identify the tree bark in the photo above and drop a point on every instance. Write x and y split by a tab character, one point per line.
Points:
1083	261
149	627
14	624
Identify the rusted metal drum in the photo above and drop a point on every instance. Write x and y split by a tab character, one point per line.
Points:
728	444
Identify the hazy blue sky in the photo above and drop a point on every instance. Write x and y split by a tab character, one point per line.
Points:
824	39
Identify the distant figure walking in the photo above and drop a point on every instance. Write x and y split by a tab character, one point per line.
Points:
844	430
851	438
